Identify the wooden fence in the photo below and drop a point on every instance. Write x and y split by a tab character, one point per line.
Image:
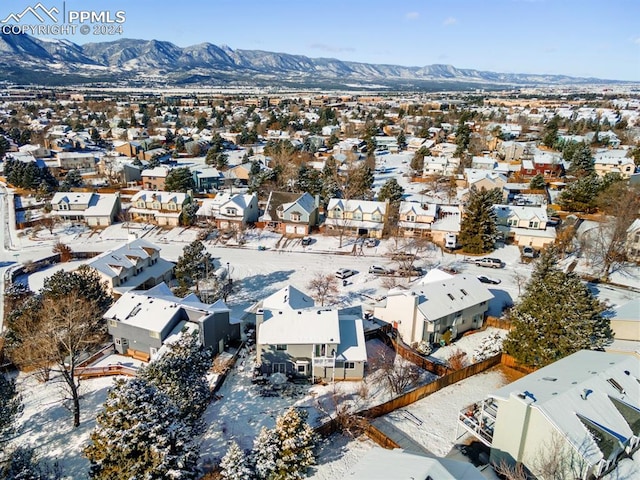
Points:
498	323
92	372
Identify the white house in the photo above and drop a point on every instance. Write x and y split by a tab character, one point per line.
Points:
230	210
362	217
162	208
96	209
439	308
584	408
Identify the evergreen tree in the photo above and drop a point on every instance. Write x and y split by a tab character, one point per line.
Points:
537	183
478	231
10	409
23	465
266	449
84	280
402	140
550	133
463	137
556	316
188	216
297	441
181	375
73	179
139	435
193	264
221	161
179	180
4	146
309	180
235	464
582	162
581	195
417	161
392	191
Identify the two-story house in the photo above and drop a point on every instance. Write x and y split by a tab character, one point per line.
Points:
316	343
524	225
161	208
439	308
229	211
141	322
95	209
580	414
361	217
207	179
82	161
136	265
291	214
544	163
613	161
154	178
415	219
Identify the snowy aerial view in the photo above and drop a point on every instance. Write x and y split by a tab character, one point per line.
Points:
223	262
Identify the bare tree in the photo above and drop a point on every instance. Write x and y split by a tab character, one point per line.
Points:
520	279
49	223
457	359
64	250
511	472
398	376
324	287
57	335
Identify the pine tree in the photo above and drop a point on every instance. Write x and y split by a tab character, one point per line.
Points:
478	231
581	195
582	162
193	264
10	409
180	373
297	441
556	316
537	183
550	133
139	435
235	464
24	465
266	449
179	180
392	191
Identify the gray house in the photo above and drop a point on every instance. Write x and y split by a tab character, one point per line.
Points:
140	322
291	214
316	343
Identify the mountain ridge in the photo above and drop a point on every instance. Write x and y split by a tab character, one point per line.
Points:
157	60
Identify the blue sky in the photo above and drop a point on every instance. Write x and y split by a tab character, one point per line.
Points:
573	37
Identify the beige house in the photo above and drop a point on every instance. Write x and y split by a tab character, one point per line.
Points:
625	321
84	162
154	178
161	208
439	308
415	219
583	409
525	226
359	217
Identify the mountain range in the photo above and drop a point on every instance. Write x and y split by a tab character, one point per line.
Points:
27	59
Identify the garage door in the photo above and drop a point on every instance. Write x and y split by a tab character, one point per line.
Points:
301	230
290	229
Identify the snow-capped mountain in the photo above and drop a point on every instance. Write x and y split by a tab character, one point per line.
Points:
24	58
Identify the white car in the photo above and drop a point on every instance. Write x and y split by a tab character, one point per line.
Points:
344	273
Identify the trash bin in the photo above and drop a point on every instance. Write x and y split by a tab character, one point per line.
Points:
344	283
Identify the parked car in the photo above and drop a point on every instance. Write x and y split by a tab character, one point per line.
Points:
493	281
490	262
410	271
553	221
402	256
378	270
529	252
306	241
370	242
345	273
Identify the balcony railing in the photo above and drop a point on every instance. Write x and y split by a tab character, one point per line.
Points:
324	362
479	419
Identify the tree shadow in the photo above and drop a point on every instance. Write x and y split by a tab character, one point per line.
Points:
501	300
249	290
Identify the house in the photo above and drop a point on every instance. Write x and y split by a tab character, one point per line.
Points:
415	219
382	464
161	208
291	214
135	265
483	163
95	209
633	240
543	163
316	343
440	166
239	173
84	162
613	161
439	308
484	179
447	224
584	408
141	322
361	217
524	225
207	179
230	211
154	178
625	321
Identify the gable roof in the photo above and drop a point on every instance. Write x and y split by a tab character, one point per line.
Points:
289	298
522	212
162	197
578	388
365	206
299	327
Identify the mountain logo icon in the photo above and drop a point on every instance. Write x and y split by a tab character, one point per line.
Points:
39	11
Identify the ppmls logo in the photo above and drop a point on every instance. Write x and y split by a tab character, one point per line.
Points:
56	21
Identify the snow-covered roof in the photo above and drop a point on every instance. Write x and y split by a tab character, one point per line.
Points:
162	197
628	311
582	386
521	212
365	206
450	295
435	275
305	201
382	464
97	204
289	298
299	327
155	172
420	209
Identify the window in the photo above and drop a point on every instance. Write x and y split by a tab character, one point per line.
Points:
296	217
118	342
156	205
533	224
376	217
171	206
512	222
357	215
349	365
141	204
411	218
450	296
281	348
154	334
232	211
279	368
336	213
302	369
113	323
